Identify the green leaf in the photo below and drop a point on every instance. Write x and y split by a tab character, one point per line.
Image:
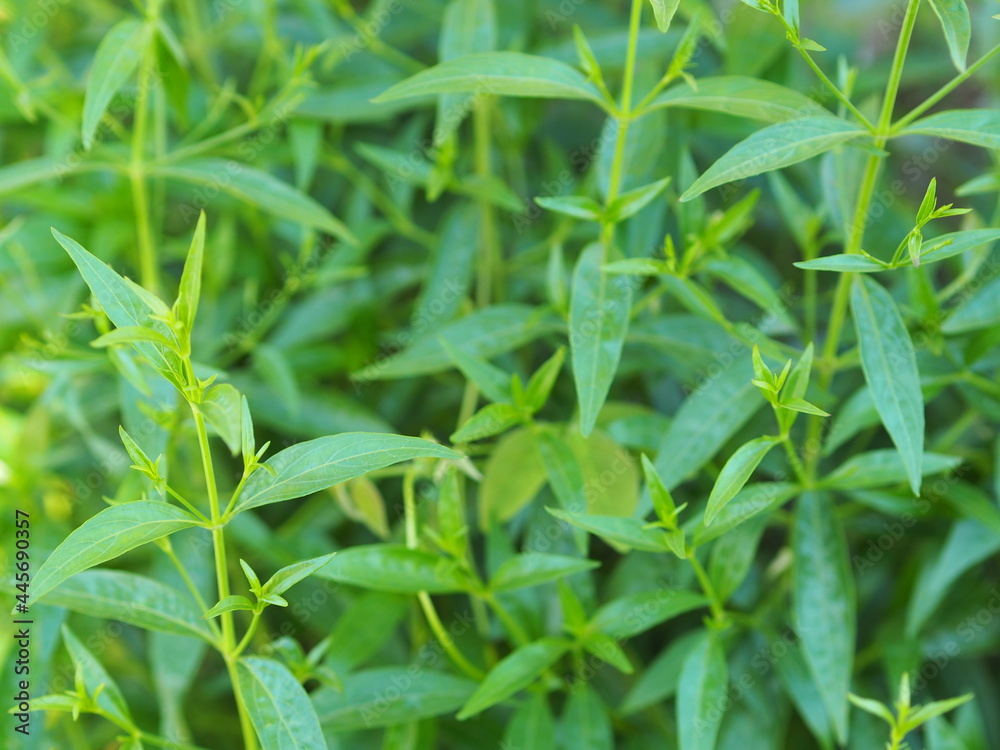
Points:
232	603
317	464
630	532
954	18
112	532
890	366
532	726
701	695
22	174
514	672
774	147
629	204
628	616
492	381
484	334
535	568
134	335
733	555
658	682
128	306
882	468
259	189
736	472
957	243
824	602
366	703
130	598
606	648
980	127
980	311
707	419
794	391
873	707
543	380
489	421
498	73
598	319
577	206
663	501
737	95
468	26
513	475
585	722
96	679
288	576
395	569
189	293
566	477
223	410
117	58
279	707
922	714
842	264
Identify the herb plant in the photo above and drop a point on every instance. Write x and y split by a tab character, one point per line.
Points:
503	401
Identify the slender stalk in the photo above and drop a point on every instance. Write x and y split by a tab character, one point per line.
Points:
245	640
714	603
490	252
149	270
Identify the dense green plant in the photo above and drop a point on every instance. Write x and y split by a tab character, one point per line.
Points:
761	492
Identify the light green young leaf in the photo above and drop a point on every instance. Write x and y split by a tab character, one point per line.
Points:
535	568
532	727
134	335
317	464
186	306
288	576
128	306
112	532
954	18
663	502
130	598
736	472
843	264
599	315
492	381
223	410
630	532
629	204
577	206
498	73
585	722
873	707
259	189
794	391
542	381
774	147
514	672
980	127
701	695
395	569
95	677
489	421
279	707
117	58
737	95
824	602
513	475
922	714
364	703
890	366
232	603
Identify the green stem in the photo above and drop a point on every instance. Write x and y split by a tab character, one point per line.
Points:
714	603
195	593
173	493
149	270
517	632
245	640
490	252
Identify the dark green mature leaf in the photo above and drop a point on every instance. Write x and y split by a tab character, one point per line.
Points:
598	323
535	568
630	615
824	602
701	694
658	682
882	468
980	127
96	680
630	532
223	410
112	532
127	305
842	264
775	147
514	672
737	95
317	464
976	313
890	366
368	700
130	598
116	60
259	189
532	727
585	722
498	73
749	502
484	333
279	708
395	569
957	243
468	26
954	18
